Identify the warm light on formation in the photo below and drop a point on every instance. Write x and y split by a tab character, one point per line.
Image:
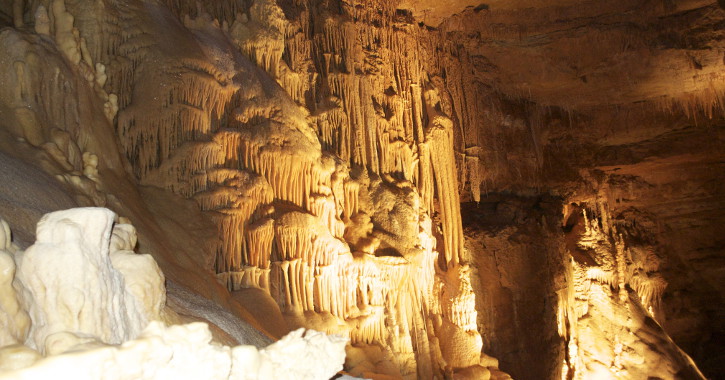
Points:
375	189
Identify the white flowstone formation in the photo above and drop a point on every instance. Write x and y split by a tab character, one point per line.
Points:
13	319
70	288
186	352
96	310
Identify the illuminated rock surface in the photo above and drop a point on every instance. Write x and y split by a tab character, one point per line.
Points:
96	309
461	189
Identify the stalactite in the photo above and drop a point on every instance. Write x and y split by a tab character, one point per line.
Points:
621	268
457	298
404	160
352	202
306	237
325	208
649	287
279	194
260	236
425	177
440	135
473	164
189	109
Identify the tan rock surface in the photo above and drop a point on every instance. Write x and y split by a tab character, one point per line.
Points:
314	154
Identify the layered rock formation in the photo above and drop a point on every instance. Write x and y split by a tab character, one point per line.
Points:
303	163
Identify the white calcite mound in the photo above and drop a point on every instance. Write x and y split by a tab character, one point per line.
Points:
186	352
95	310
13	319
69	286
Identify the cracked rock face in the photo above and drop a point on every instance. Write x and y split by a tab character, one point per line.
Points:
436	181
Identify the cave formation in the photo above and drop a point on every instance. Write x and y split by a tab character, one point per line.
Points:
511	189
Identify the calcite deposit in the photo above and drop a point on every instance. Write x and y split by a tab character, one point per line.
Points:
97	310
457	189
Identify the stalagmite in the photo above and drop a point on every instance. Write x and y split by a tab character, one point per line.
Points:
13	317
63	314
143	281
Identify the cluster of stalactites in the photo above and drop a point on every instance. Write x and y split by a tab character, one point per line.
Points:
618	265
186	114
363	290
373	115
235	198
379	136
265	36
401	134
357	62
329	196
707	99
261	34
605	312
388	136
233	171
325	207
312	270
255	259
455	298
291	177
222	11
309	266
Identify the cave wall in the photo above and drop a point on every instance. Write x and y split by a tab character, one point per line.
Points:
518	257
